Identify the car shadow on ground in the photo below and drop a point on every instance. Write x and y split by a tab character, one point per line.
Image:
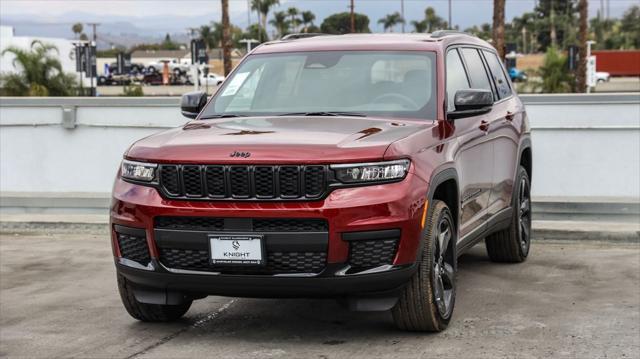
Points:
303	321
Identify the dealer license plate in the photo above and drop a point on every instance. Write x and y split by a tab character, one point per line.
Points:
236	249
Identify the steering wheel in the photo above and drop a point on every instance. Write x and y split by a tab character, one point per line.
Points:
397	96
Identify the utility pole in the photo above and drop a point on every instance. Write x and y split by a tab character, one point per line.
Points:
248	13
93	26
450	21
402	14
353	18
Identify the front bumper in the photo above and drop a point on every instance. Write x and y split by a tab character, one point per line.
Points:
397	206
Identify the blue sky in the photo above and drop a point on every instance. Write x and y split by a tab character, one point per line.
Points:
177	14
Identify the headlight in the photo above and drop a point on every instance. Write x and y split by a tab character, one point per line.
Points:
371	172
138	171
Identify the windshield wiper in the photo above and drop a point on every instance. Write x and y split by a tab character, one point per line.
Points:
325	113
224	115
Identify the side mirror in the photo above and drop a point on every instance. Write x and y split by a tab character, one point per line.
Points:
192	103
471	102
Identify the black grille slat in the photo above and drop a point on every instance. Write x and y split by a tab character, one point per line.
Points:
240	182
277	262
190	223
259	224
248	182
264	182
134	248
169	179
289	225
192	179
372	253
289	181
214	176
314	181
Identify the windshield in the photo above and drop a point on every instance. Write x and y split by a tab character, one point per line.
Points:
365	83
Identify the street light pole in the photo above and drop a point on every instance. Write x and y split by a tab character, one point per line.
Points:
353	18
402	14
450	21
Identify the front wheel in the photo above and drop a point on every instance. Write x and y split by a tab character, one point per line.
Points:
426	303
512	244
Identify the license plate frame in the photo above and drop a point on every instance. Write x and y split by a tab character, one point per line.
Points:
237	250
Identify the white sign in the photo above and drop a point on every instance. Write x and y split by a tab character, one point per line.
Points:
591	71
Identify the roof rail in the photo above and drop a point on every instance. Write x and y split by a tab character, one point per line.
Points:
443	33
302	35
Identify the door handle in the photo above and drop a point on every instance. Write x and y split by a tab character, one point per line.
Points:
509	116
484	126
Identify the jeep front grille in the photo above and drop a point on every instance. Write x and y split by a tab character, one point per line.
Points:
243	182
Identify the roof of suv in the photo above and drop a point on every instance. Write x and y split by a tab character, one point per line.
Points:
398	42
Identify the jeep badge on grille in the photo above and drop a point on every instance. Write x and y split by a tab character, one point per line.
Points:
240	154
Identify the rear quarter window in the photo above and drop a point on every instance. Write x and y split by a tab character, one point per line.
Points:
497	72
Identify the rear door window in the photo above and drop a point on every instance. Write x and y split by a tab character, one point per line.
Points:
456	78
476	70
497	71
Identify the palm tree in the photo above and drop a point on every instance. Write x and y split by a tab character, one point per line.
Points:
391	20
41	74
419	26
307	19
581	71
433	21
280	22
294	22
226	38
263	7
498	27
77	29
210	36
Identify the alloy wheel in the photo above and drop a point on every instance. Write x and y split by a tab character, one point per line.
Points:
443	272
524	215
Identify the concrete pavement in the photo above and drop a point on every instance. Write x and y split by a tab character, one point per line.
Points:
58	298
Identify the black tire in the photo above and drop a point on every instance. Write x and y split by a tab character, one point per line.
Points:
149	312
102	80
151	70
419	307
512	245
177	72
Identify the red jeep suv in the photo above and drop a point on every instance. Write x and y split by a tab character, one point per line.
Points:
356	167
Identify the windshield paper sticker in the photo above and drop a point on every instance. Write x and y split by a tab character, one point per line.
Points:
236	83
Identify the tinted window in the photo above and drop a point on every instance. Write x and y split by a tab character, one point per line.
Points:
376	83
498	74
456	77
477	72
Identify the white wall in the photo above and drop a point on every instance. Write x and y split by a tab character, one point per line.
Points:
584	146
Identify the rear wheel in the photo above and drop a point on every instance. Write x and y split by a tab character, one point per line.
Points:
426	303
512	244
149	312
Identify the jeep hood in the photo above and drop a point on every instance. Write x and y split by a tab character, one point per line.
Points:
275	140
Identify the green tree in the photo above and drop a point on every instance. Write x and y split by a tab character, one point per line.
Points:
340	23
307	20
77	29
40	73
557	23
210	36
553	73
483	31
419	26
169	44
631	27
263	7
256	32
294	22
280	22
433	21
391	20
